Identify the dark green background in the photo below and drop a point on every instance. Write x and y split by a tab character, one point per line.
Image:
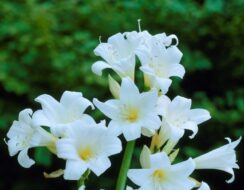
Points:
47	47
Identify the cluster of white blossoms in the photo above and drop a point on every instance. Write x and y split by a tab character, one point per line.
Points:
74	136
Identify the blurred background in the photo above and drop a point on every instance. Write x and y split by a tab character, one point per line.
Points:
46	46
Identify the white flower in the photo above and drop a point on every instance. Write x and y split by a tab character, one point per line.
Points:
146	39
57	115
204	186
222	158
22	136
87	145
162	175
132	112
160	63
178	116
118	54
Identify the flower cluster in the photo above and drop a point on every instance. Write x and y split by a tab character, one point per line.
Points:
71	134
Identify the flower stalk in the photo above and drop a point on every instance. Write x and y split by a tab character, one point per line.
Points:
81	181
121	182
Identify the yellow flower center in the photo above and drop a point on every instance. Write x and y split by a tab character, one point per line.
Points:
132	115
159	174
85	154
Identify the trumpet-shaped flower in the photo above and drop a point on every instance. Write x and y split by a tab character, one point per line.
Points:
118	54
132	111
222	158
87	145
57	115
22	136
160	63
178	116
146	40
162	175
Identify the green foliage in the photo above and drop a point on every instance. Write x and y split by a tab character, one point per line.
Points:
46	46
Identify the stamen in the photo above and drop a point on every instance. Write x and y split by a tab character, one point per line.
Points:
86	154
159	174
132	115
100	39
139	24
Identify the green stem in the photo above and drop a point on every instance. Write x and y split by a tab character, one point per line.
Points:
81	181
121	182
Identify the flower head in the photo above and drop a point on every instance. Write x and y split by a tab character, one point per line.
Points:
162	175
87	145
118	54
160	63
222	158
178	116
23	135
132	111
57	115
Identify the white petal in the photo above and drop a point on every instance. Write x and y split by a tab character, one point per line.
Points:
66	149
19	129
152	121
51	107
163	84
230	171
177	70
105	50
175	134
180	104
99	165
74	169
128	188
174	54
99	66
191	126
158	49
162	105
24	160
14	146
25	116
159	160
40	119
75	103
143	55
148	101
115	127
118	42
146	69
110	108
128	91
126	67
41	138
139	176
204	186
199	115
114	146
184	168
132	131
178	175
